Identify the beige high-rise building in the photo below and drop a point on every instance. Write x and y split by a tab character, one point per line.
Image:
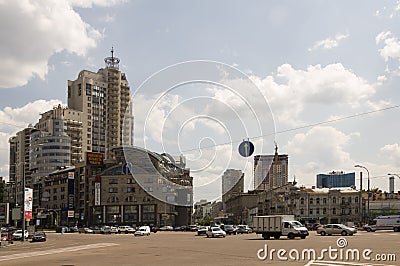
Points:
72	123
270	171
103	98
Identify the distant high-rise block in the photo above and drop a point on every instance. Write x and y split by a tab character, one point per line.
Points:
270	171
336	179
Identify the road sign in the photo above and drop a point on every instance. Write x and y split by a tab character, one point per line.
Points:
246	148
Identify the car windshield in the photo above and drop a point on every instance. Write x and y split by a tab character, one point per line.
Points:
216	229
296	224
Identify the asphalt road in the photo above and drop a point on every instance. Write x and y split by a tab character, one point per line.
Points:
185	248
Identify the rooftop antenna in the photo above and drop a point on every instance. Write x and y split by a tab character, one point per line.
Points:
112	62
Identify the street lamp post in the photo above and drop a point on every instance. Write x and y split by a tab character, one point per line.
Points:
360	166
23	202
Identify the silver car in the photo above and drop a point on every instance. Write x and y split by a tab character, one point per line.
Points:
215	232
336	229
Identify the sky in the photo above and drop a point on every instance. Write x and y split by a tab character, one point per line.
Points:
321	79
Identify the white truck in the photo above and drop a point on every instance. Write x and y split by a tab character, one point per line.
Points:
391	222
279	225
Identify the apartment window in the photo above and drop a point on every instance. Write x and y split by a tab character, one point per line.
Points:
324	211
79	89
62	189
113	181
334	211
130	181
311	201
343	200
55	190
113	190
324	200
334	199
317	211
301	211
356	210
356	199
130	189
148	180
317	201
349	199
343	211
311	211
302	201
88	142
130	199
89	136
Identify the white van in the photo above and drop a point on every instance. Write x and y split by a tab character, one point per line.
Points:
391	222
143	231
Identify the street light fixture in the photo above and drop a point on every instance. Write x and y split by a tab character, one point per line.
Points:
395	175
360	166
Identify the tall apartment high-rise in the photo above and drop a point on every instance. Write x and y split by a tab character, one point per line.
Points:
60	121
103	98
270	171
232	185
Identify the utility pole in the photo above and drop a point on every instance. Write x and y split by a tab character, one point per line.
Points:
23	202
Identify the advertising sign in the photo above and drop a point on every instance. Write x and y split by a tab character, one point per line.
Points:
71	214
97	188
28	201
94	158
71	198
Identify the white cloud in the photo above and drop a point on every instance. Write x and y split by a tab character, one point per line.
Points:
33	31
297	89
391	45
323	156
392	152
91	3
329	43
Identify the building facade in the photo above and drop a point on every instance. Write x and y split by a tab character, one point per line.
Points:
336	179
270	171
103	98
232	184
312	205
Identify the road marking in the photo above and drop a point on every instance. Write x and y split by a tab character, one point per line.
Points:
54	251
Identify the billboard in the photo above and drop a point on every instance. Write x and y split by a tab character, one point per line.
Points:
94	158
71	198
28	202
97	188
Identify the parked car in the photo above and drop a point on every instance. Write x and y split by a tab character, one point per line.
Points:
39	237
125	229
166	228
108	230
62	229
85	230
154	229
243	229
215	232
193	228
18	234
229	229
336	229
96	229
143	231
202	230
73	229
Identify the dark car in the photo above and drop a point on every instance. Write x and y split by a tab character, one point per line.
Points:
229	229
39	237
62	229
154	229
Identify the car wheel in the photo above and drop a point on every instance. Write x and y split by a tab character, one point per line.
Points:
303	237
344	233
290	236
323	233
369	230
277	236
396	229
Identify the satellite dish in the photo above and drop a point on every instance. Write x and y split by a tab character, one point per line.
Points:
246	148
